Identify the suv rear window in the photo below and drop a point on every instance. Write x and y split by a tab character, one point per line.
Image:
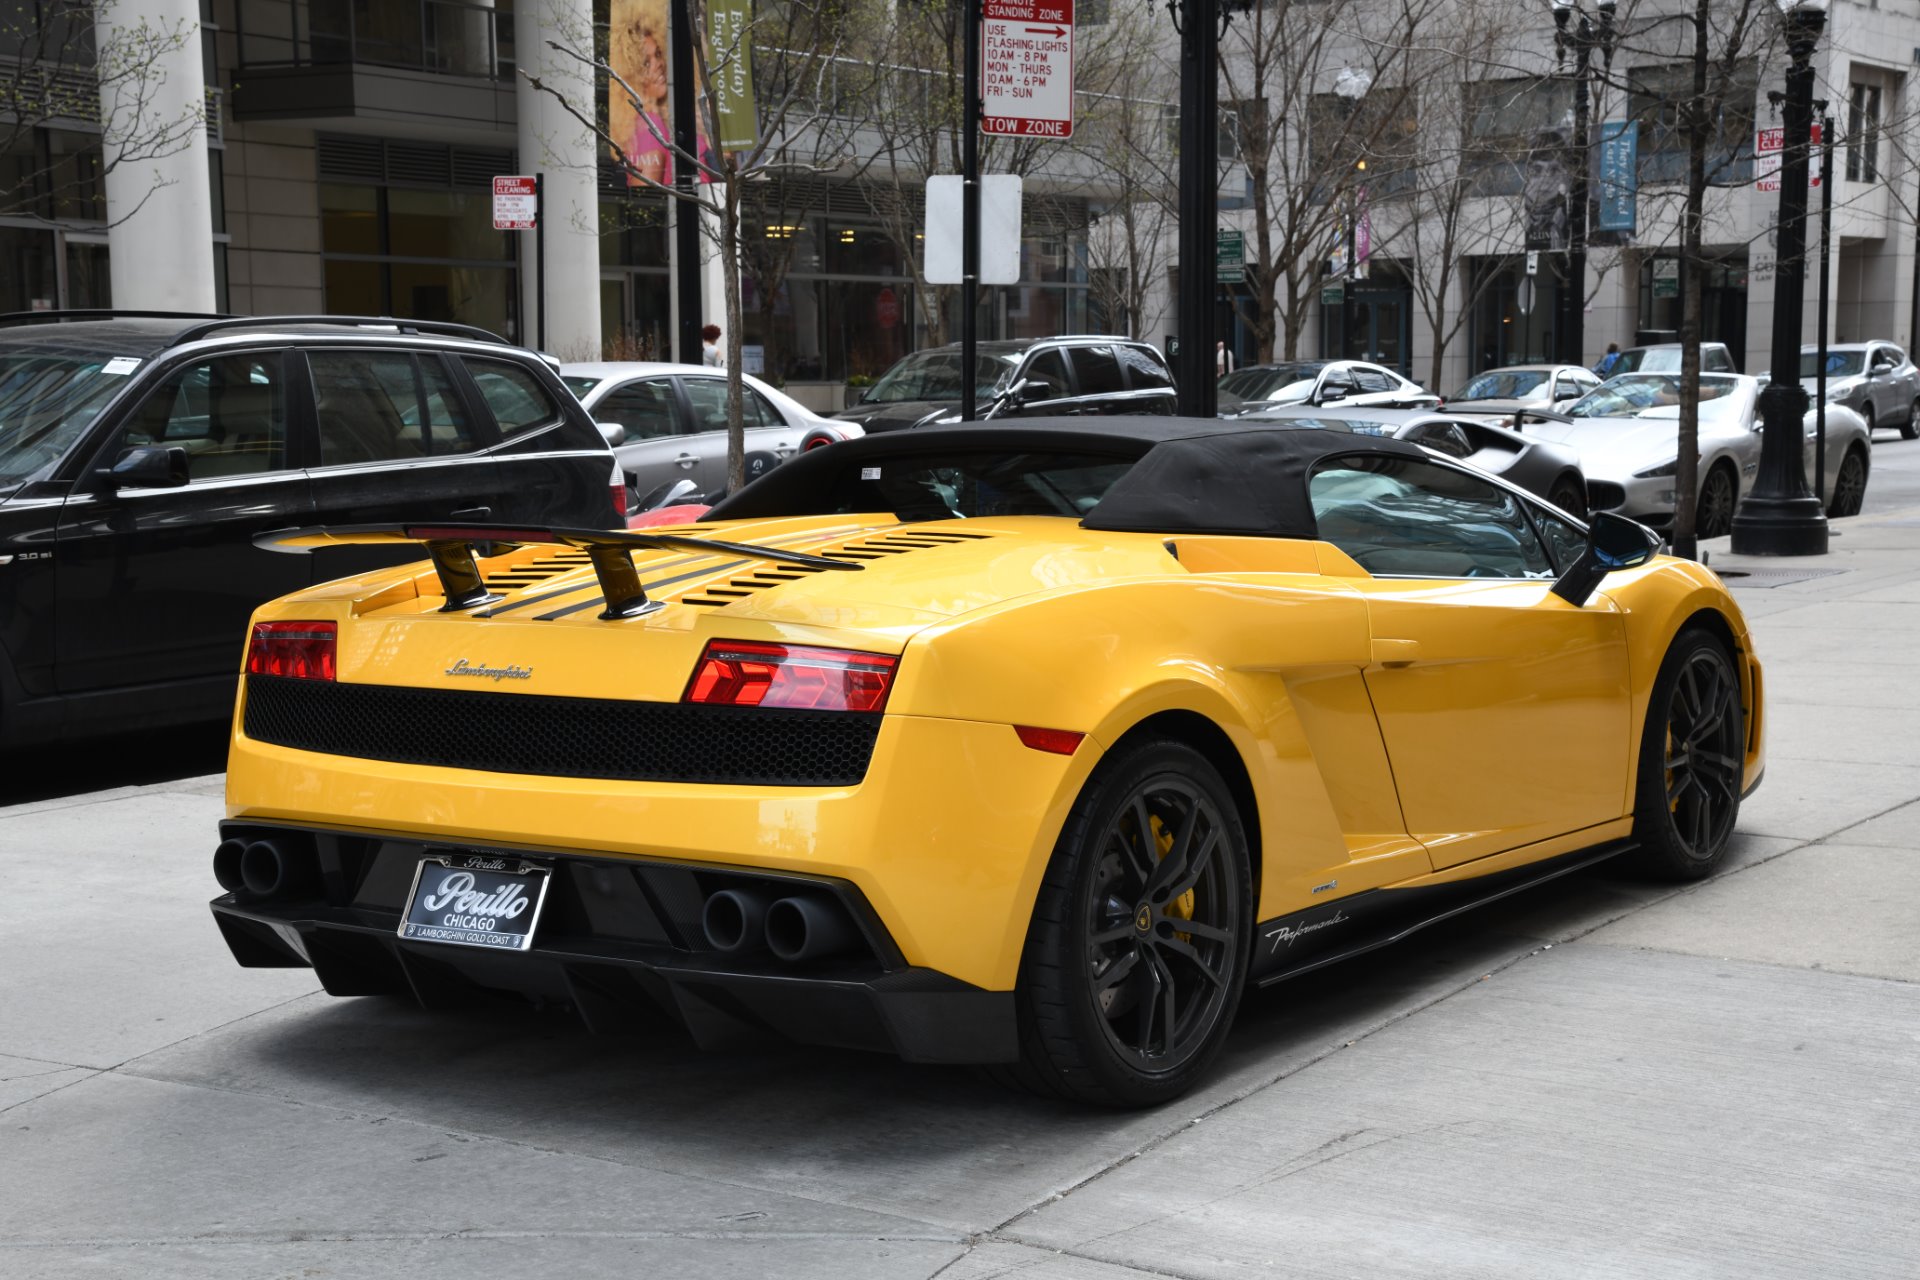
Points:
518	401
1144	371
1099	371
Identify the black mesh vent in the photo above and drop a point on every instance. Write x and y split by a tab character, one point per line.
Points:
562	737
1602	496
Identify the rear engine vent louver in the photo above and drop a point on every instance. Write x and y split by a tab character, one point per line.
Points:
864	550
529	572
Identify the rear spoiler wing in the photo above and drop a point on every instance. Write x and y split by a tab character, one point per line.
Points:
451	547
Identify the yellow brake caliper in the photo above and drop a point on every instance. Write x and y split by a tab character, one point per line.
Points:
1181	908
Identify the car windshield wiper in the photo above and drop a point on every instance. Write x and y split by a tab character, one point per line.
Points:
451	547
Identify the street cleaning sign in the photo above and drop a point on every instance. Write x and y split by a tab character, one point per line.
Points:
516	203
1026	71
1767	146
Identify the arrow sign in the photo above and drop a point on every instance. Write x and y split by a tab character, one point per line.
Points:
1026	68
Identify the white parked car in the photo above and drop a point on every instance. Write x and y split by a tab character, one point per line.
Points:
675	421
1498	394
1320	382
1627	435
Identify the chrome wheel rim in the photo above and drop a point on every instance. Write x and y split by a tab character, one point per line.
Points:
1162	924
1704	753
1716	506
1849	487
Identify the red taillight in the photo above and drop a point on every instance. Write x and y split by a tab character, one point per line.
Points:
300	650
1061	742
737	673
618	492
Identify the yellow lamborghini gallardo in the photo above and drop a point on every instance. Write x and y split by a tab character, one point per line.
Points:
1029	745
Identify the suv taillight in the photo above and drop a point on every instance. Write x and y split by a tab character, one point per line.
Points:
300	650
739	673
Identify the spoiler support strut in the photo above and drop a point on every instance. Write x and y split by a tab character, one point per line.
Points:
609	551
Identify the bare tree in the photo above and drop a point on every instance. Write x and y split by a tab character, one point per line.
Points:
55	72
791	47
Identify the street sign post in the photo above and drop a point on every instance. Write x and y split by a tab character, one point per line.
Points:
1766	159
1229	256
1026	84
516	207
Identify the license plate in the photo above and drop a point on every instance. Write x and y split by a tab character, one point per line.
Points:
475	900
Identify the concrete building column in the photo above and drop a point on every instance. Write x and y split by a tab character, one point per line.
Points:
555	144
154	145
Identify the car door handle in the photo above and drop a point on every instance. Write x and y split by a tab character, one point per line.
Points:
1395	653
473	513
686	460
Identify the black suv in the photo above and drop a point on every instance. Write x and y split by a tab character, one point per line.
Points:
1024	376
140	453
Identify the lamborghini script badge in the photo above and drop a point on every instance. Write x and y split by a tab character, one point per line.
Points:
484	672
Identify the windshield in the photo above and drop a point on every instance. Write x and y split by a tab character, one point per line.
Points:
946	486
1263	382
579	386
46	404
1840	364
1503	384
1651	395
1648	360
935	375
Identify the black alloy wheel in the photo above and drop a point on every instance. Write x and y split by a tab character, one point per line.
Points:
1569	495
1137	953
1849	486
1910	429
1692	760
1713	518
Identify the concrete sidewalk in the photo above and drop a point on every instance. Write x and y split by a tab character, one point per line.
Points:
1600	1078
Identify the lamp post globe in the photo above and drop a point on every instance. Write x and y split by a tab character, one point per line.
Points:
1781	516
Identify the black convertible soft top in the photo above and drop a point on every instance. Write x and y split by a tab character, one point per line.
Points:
1190	475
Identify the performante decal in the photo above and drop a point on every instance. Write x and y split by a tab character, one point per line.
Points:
484	672
1292	933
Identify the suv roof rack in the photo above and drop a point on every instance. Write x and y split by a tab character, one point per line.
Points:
193	333
105	313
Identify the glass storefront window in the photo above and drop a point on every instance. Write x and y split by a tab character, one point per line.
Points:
349	218
441	291
27	279
356	289
862	251
443	224
633	233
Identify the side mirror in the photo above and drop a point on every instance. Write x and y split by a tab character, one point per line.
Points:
1332	395
612	432
149	466
1613	543
1028	389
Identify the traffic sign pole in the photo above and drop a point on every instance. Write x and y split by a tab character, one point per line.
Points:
970	214
540	257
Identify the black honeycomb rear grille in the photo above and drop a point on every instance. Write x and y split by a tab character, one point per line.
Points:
562	737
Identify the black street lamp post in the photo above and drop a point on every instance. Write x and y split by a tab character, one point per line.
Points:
1199	24
1781	517
1572	28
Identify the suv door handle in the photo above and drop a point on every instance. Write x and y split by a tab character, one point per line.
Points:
473	513
686	460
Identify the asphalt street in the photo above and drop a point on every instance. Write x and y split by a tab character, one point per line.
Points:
1600	1078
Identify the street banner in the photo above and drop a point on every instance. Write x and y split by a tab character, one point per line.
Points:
516	203
1767	146
1618	190
639	113
1026	68
730	63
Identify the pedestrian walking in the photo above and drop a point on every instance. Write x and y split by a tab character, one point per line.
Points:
1607	361
1222	360
710	347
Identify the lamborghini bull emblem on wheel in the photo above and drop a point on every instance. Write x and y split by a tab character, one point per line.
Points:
988	745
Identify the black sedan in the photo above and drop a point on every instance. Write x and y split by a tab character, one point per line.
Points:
1539	466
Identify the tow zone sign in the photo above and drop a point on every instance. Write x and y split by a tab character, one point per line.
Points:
1026	71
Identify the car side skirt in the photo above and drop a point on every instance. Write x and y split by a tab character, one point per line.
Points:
1329	932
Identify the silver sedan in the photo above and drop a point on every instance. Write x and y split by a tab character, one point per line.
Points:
1627	435
1874	379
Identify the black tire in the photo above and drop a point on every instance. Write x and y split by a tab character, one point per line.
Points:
1692	761
1713	515
1569	495
1910	429
1849	486
1111	1013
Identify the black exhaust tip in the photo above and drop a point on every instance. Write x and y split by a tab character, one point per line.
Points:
734	920
226	864
268	870
807	928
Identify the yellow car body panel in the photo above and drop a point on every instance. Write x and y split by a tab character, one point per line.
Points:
1390	732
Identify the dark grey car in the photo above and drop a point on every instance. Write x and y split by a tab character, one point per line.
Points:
1874	379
